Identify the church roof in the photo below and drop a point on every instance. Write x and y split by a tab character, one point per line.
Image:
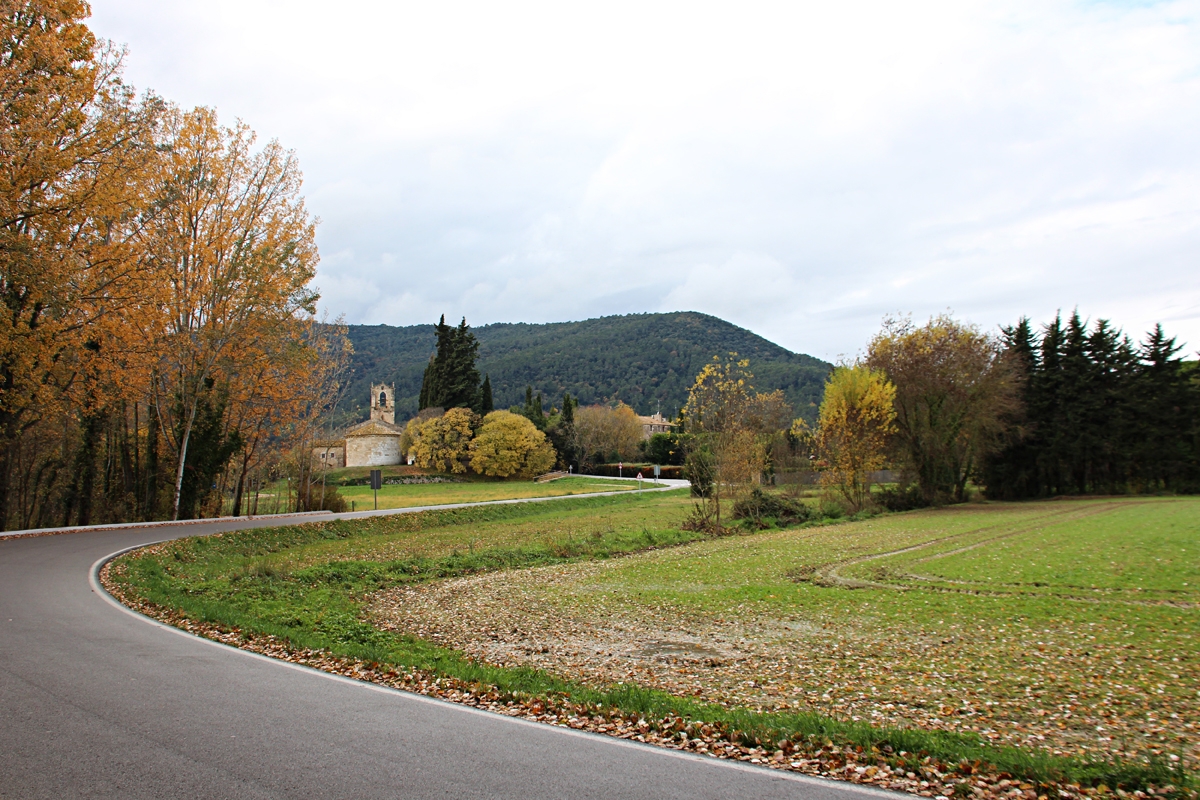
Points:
375	427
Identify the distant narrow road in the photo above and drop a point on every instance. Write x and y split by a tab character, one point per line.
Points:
98	702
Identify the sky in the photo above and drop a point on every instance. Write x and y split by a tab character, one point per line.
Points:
802	169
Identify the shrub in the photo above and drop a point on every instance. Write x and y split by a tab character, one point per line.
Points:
331	501
901	498
759	505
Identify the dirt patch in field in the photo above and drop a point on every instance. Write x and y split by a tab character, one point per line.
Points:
549	618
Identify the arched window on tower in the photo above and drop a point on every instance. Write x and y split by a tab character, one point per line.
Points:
383	399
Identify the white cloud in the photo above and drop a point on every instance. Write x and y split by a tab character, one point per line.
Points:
798	168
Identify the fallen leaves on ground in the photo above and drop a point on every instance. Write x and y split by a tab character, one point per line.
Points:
1049	690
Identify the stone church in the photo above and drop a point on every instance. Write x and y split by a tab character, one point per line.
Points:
374	443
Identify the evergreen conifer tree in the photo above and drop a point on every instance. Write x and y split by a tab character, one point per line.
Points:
426	381
1166	408
1012	472
451	380
486	406
568	409
539	414
1100	415
563	436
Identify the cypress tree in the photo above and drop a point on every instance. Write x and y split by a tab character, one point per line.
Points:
461	387
212	447
539	415
426	385
451	380
533	409
562	434
485	396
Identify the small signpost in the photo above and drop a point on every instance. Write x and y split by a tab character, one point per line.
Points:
620	466
639	481
376	483
657	472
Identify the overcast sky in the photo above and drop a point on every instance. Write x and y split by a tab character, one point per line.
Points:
798	168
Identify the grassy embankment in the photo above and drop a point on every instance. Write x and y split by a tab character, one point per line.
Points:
1010	617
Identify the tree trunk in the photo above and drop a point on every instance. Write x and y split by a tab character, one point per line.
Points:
241	485
150	476
6	448
183	445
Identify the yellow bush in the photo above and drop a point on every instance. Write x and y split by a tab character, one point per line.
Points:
509	445
443	442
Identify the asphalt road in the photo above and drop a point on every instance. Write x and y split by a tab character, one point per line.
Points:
96	701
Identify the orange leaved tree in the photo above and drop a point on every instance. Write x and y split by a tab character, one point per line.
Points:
234	248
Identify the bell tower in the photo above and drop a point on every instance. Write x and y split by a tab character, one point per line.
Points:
383	403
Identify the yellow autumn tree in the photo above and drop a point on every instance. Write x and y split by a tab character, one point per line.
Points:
856	418
443	443
731	431
956	389
509	445
601	431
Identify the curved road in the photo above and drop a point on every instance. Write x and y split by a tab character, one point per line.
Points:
96	701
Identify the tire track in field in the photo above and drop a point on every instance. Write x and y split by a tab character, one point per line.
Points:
830	574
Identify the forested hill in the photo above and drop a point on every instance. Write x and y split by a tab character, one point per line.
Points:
645	360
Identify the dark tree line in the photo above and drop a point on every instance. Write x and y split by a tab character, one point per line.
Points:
1099	414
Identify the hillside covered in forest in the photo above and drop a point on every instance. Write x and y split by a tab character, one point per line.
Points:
645	360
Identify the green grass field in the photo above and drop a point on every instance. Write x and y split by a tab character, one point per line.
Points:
474	490
1066	629
1070	625
412	495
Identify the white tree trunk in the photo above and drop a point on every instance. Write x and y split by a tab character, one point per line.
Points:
183	446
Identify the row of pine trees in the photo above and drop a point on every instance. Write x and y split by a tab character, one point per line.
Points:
1100	414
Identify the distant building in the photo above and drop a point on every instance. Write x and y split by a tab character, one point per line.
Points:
655	423
374	443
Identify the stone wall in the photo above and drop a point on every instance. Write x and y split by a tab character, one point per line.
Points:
372	451
330	457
